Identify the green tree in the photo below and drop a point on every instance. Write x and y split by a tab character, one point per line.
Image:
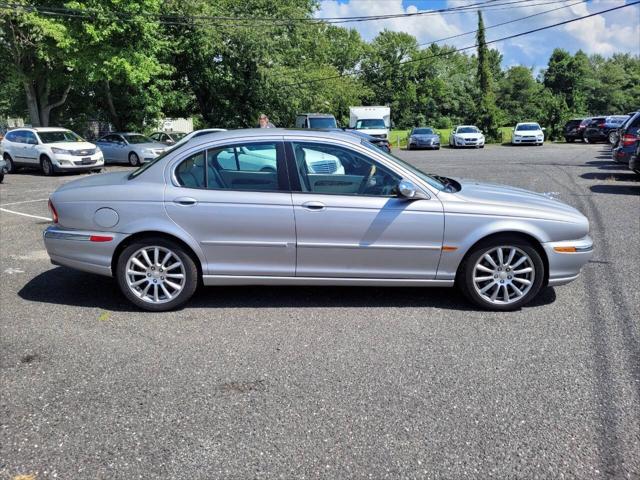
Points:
519	95
487	113
566	76
38	52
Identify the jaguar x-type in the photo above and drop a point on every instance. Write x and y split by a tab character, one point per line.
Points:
280	207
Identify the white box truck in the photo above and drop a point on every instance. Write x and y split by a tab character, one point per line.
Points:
374	121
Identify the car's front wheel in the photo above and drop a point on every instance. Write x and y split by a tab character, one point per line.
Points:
134	160
156	274
46	166
9	167
613	138
502	274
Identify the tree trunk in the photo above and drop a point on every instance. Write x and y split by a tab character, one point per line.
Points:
45	111
32	103
112	109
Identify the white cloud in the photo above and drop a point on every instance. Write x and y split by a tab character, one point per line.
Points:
617	31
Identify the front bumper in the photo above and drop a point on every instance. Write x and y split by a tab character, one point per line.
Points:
82	250
527	140
564	264
62	162
461	142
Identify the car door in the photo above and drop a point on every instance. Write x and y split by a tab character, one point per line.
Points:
351	223
106	147
235	201
30	152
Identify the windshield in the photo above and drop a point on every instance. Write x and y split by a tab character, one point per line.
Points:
423	131
136	138
177	136
322	122
468	130
370	123
528	127
59	137
430	179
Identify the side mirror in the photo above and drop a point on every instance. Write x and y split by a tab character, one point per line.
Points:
409	191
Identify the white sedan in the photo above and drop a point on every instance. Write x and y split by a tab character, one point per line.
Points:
466	136
527	133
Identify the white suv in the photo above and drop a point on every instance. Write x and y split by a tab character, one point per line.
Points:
50	149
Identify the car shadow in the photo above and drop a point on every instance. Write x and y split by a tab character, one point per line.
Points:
79	289
616	189
627	176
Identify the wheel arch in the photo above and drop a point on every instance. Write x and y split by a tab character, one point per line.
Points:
494	236
153	233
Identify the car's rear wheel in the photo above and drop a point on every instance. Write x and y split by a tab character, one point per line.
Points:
10	167
613	138
156	274
134	160
46	166
502	274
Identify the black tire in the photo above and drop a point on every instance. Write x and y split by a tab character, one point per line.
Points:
134	160
613	138
10	166
190	272
569	139
1	177
46	166
97	170
464	279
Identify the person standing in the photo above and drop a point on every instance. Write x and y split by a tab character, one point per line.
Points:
263	122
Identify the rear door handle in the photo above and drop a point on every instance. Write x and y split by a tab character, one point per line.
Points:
185	201
313	205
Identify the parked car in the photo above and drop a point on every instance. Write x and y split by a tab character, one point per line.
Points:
634	162
51	150
375	221
582	127
595	131
316	120
628	133
168	138
527	133
466	136
381	143
571	130
3	169
134	148
611	125
423	137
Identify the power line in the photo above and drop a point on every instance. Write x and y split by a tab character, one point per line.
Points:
502	23
174	19
443	54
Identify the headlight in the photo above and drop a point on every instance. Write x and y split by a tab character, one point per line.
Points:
60	150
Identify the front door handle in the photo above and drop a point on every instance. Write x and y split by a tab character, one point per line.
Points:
313	205
186	201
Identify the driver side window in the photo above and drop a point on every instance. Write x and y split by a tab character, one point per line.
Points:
330	169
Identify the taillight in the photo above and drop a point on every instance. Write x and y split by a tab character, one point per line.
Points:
628	139
53	211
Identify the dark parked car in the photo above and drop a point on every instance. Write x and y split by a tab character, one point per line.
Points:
612	124
626	145
594	130
634	163
583	126
571	130
422	137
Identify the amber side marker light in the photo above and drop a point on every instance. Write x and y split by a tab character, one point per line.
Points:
447	248
565	249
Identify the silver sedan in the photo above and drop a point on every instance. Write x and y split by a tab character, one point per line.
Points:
133	148
276	207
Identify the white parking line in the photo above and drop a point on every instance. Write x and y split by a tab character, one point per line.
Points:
25	214
24	201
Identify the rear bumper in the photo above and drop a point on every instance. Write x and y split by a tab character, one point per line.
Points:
77	249
564	267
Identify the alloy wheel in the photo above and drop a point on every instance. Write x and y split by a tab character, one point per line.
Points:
155	274
503	275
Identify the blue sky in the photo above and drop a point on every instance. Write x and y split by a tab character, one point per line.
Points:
617	31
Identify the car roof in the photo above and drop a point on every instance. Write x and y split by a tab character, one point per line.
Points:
45	129
315	114
527	123
278	133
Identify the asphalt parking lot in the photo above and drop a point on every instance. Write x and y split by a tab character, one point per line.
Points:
320	382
